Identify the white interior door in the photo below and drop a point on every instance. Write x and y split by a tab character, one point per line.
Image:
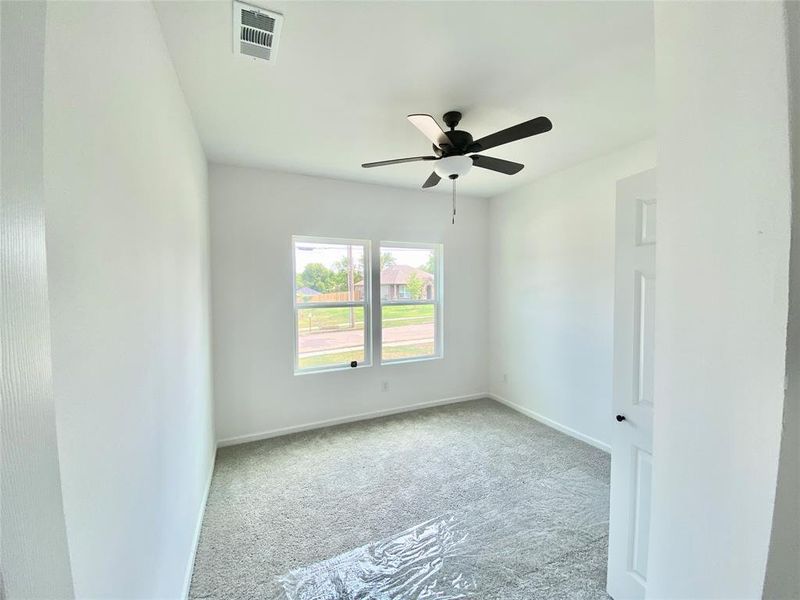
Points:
632	440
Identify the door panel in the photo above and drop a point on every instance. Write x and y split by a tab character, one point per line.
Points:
640	517
634	361
645	294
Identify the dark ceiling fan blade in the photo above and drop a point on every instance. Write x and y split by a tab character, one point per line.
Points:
512	134
496	164
397	161
432	180
430	129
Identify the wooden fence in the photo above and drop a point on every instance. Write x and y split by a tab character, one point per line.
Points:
332	297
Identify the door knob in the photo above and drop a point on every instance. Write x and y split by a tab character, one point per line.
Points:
620	418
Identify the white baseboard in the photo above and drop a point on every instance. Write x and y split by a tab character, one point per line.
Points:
550	423
254	437
187	577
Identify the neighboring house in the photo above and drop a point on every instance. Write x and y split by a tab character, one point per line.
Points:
305	294
394	283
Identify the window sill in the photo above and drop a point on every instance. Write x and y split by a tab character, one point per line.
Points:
331	369
403	361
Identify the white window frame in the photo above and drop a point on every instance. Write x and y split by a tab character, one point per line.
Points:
437	302
365	303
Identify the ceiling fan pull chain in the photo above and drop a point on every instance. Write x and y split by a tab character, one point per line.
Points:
454	202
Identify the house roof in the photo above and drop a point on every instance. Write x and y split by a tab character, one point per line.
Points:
307	291
400	274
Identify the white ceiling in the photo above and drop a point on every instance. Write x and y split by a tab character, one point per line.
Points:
348	73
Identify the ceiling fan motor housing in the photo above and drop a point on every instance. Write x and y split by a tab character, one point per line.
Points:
459	142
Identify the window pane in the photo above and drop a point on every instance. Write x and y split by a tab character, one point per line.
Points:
408	331
330	337
328	272
408	273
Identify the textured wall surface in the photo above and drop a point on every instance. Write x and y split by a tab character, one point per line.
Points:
34	561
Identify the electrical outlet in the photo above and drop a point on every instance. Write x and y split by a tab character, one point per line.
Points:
505	377
384	386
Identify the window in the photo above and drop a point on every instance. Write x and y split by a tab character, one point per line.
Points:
411	301
331	304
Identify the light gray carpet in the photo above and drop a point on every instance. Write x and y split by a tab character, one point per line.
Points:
511	510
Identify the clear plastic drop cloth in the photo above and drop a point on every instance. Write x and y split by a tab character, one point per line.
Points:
502	547
413	564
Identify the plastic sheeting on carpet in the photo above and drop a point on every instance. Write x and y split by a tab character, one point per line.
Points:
523	538
410	565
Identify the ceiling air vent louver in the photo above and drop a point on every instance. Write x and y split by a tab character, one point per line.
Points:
255	32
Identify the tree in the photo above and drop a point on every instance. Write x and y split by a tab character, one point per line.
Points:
318	277
415	286
340	269
430	265
387	260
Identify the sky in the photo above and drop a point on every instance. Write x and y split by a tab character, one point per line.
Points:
328	254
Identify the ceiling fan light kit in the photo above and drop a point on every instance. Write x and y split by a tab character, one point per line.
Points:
450	148
451	167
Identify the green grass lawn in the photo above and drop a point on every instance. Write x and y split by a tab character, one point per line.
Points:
320	319
408	351
335	358
415	313
343	358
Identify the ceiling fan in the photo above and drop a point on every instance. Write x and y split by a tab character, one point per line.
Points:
450	148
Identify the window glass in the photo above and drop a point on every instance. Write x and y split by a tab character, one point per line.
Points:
328	337
327	272
331	300
409	331
410	301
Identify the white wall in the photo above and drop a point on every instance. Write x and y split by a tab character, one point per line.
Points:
254	213
34	559
126	198
783	566
552	292
722	263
